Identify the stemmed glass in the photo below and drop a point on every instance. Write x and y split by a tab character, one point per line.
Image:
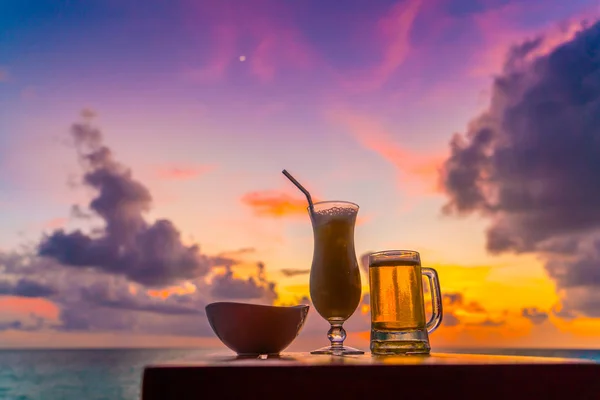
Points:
335	286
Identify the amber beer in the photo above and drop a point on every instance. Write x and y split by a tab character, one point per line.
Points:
335	287
398	324
397	296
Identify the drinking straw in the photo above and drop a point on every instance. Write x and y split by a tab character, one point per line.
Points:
299	186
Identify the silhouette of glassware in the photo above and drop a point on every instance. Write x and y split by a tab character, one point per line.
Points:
398	324
335	287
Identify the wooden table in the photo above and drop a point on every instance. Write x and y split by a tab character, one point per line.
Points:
304	376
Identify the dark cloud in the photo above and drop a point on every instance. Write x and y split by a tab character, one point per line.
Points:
232	257
451	298
25	288
76	319
450	319
531	163
227	286
148	253
101	303
294	272
534	315
455	303
240	251
488	323
100	295
31	322
12	325
78	212
474	307
223	261
457	300
561	312
86	317
24	263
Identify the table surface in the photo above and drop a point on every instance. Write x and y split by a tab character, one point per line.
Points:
307	359
305	376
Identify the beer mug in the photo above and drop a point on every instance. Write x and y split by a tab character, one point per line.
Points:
398	323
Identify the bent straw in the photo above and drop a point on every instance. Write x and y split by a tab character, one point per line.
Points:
299	186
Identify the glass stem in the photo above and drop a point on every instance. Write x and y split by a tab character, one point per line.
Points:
336	335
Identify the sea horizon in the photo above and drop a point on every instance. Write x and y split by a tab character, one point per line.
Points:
224	349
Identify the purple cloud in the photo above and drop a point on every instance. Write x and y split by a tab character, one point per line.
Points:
227	286
294	272
149	253
531	164
25	288
534	315
100	280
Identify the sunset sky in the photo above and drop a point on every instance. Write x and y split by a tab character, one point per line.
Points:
467	130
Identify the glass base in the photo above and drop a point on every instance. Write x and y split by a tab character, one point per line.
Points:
338	351
396	343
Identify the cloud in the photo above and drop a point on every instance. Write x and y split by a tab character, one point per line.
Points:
97	302
182	173
226	286
393	34
418	172
294	272
25	288
457	300
240	251
103	295
534	315
461	313
232	257
489	323
499	31
55	223
31	322
93	301
562	312
453	298
80	294
579	300
78	213
530	163
148	253
12	307
86	300
277	47
275	204
450	319
16	325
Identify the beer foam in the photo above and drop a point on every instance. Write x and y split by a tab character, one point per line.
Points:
335	212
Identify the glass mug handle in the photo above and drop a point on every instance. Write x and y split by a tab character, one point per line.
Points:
436	299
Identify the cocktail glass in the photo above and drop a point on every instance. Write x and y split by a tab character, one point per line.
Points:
335	287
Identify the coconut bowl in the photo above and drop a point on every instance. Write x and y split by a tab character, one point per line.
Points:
252	329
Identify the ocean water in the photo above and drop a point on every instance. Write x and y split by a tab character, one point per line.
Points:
95	374
115	374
